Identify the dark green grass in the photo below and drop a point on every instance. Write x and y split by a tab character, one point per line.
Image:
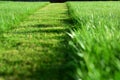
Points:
36	49
95	40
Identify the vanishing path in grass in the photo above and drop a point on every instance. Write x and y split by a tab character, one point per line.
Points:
35	50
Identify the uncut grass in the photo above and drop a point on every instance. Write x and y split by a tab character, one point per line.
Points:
35	49
12	13
95	40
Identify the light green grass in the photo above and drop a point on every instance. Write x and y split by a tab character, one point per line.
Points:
35	49
96	40
11	13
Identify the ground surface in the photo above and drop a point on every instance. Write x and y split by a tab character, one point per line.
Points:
35	50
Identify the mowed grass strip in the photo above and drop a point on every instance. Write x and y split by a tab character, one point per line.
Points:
34	50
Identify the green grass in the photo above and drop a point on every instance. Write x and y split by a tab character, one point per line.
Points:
12	13
34	44
95	40
34	50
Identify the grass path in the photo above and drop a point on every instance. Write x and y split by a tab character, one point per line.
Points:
35	50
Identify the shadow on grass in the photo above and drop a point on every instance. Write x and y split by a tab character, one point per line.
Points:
42	31
55	69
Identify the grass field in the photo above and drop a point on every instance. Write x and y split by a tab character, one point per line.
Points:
59	41
12	13
96	39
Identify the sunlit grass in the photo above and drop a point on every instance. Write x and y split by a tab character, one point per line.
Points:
96	40
12	13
